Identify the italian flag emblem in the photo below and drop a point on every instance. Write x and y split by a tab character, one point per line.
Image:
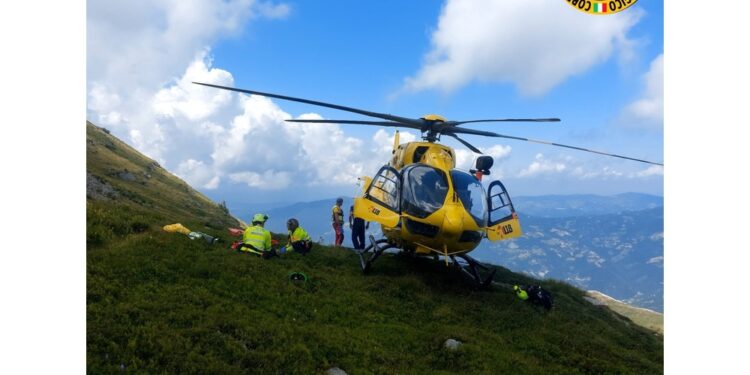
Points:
600	7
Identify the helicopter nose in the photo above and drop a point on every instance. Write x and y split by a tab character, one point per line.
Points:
453	223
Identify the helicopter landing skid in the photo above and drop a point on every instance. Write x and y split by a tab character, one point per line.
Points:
377	247
473	273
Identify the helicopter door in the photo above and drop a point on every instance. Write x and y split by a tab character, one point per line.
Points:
380	202
503	221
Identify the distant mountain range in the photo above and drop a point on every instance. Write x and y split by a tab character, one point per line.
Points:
582	205
620	254
609	243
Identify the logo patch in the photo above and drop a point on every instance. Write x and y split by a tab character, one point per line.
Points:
601	7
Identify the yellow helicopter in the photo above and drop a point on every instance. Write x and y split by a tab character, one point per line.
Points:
424	204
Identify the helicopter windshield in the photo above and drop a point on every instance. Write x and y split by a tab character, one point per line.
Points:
471	194
424	190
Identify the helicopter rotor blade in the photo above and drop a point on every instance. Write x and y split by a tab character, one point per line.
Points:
508	120
357	122
481	132
467	144
384	116
491	134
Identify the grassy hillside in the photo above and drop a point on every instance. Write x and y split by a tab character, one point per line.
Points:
160	303
130	193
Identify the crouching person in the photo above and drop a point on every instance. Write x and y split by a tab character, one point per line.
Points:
256	239
298	239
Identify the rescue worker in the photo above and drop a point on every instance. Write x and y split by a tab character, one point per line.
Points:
298	239
256	239
337	216
535	294
358	226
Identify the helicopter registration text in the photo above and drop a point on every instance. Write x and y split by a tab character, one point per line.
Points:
504	230
507	229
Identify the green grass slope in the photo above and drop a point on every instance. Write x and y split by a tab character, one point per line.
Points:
130	193
159	303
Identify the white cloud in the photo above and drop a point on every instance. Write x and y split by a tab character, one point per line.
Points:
580	169
648	110
136	47
384	139
488	41
584	172
267	180
197	173
215	136
465	158
654	170
541	165
498	152
192	101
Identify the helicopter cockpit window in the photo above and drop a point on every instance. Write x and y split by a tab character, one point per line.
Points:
424	190
384	188
471	194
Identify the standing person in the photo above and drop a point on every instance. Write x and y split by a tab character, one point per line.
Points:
298	239
337	216
256	239
358	226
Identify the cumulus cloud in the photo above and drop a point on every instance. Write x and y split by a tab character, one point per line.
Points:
488	41
384	139
135	48
585	173
215	135
648	110
498	152
189	100
465	158
541	165
267	180
654	170
197	173
568	166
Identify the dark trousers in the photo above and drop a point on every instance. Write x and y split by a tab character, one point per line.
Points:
358	236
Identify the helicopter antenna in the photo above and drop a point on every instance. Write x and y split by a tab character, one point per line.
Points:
431	127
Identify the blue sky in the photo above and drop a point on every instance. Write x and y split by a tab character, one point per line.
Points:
602	75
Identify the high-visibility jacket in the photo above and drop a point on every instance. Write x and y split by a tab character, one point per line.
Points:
299	234
337	214
258	237
521	293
